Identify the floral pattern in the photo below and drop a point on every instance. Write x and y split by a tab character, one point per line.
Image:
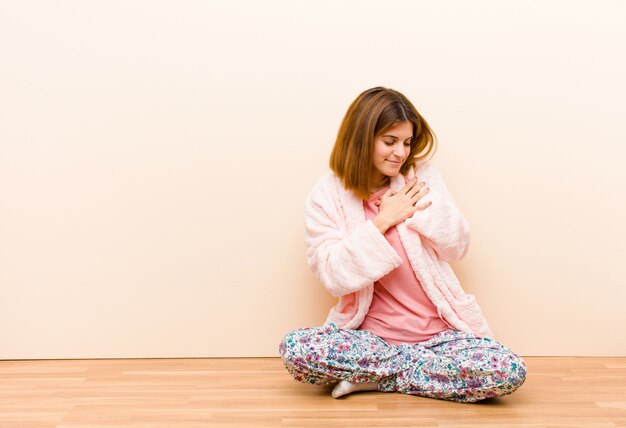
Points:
452	365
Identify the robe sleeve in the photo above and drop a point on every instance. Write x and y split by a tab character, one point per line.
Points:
344	261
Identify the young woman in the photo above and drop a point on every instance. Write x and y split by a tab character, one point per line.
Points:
380	230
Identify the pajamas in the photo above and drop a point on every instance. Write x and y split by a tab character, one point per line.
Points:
451	365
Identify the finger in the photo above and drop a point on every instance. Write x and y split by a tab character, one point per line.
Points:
417	188
409	185
388	193
423	191
423	206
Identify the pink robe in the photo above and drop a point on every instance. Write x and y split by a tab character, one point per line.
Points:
347	253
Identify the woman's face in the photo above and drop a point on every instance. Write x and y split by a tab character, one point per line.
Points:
391	149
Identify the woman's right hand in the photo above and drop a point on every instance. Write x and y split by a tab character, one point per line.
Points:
395	208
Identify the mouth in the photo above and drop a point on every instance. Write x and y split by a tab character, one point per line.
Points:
394	162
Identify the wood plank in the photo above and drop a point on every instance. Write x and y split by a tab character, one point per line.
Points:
258	392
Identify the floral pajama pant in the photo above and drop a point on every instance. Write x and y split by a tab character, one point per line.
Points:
452	365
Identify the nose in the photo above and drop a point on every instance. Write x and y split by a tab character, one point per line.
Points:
398	150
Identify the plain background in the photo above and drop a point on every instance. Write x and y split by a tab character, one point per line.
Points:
155	157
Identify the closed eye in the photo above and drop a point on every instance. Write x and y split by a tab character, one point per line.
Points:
391	143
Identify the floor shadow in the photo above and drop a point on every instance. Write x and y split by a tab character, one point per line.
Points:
491	401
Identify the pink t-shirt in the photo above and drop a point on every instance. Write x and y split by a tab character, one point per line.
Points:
401	312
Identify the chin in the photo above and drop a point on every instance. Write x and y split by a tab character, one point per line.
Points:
393	173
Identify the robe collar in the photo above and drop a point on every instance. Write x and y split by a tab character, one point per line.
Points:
353	205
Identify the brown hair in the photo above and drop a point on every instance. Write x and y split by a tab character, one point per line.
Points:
370	114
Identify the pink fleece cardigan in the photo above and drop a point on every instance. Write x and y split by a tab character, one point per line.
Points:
347	253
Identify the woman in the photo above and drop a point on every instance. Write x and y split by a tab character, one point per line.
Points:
380	230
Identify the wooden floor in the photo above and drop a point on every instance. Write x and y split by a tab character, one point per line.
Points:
258	392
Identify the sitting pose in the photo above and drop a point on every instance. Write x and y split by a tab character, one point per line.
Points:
380	229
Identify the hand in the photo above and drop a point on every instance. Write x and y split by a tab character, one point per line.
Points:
395	208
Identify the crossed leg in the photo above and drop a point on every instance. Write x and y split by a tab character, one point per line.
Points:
451	365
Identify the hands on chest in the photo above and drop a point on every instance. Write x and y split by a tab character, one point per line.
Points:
394	208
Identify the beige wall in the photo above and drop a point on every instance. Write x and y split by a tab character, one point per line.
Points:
155	157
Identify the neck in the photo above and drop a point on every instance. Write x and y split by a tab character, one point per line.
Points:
379	183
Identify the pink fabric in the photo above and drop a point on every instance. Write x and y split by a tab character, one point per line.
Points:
347	253
400	312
